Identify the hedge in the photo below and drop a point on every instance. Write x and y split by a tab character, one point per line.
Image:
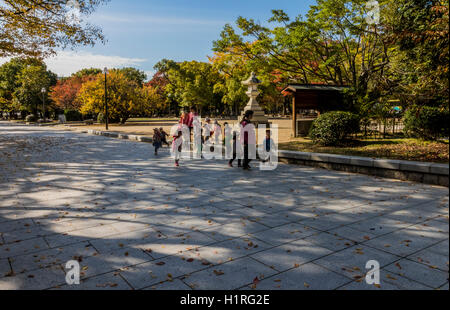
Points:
333	128
428	123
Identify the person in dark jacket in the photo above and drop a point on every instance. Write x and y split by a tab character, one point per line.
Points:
247	137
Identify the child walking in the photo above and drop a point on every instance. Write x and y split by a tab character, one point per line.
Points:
176	146
268	146
157	140
164	136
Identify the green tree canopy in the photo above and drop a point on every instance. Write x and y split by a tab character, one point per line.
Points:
87	72
134	74
420	32
191	83
32	79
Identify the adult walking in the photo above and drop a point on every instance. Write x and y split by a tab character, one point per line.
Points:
248	137
184	119
191	118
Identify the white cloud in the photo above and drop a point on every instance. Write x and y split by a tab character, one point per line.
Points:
67	62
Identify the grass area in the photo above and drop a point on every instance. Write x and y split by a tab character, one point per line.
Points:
396	148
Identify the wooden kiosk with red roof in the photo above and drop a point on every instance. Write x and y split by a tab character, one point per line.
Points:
309	101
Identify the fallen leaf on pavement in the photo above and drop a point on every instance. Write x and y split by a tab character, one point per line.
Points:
218	272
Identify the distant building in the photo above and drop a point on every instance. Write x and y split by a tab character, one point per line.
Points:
309	101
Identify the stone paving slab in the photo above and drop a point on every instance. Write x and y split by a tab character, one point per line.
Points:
229	276
329	241
23	247
354	235
108	281
134	239
170	285
234	230
229	250
380	225
407	241
418	272
5	268
388	283
134	221
35	280
291	255
176	244
166	269
306	277
51	257
114	261
351	262
284	234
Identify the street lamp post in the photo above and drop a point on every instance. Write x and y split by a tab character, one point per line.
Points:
43	91
106	99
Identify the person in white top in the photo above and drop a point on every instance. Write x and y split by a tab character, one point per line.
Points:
217	132
207	130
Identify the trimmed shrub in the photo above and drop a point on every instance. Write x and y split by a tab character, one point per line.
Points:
332	128
428	123
31	119
73	116
101	118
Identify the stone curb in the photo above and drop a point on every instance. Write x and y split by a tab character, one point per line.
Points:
402	165
118	135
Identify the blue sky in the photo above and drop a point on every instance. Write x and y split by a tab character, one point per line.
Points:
142	32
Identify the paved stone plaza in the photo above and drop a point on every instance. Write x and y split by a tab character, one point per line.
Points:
137	222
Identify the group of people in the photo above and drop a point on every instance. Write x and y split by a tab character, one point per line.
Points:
247	138
210	135
159	139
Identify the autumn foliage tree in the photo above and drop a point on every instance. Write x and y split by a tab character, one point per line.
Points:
403	55
38	27
333	44
159	82
65	93
125	97
156	103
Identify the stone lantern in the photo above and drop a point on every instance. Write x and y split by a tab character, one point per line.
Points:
258	117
